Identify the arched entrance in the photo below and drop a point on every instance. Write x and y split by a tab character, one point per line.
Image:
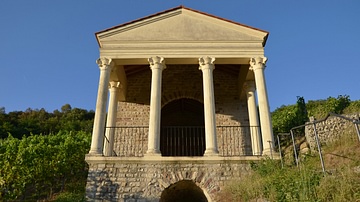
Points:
182	128
185	190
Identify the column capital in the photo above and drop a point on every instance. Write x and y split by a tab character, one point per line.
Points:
114	84
157	62
206	62
104	63
257	63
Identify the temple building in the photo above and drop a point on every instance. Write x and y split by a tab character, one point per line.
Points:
182	107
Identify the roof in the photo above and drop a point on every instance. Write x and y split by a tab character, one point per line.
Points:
156	15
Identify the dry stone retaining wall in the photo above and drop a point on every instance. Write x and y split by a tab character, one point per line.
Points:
330	130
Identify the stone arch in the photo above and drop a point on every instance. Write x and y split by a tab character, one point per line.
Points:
188	104
166	99
184	190
201	179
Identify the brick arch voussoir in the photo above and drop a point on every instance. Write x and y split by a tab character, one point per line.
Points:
166	99
201	179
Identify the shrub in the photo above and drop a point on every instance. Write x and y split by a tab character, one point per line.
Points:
37	166
70	197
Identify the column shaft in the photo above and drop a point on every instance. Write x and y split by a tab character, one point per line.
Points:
253	118
207	66
258	66
157	64
111	118
96	148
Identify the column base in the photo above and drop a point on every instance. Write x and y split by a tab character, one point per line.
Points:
211	152
107	154
153	153
271	154
95	153
257	153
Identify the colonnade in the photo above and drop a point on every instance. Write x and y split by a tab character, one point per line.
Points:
157	65
261	142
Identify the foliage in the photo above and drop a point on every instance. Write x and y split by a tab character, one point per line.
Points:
36	166
353	107
36	121
286	117
320	108
70	197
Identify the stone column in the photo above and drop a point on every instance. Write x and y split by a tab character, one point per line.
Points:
157	65
258	65
114	87
105	66
253	117
207	66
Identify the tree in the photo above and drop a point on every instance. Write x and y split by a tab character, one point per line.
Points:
2	110
39	121
65	108
320	108
287	117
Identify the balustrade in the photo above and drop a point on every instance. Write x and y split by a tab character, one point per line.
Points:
131	141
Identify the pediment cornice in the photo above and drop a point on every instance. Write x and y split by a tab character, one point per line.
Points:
180	25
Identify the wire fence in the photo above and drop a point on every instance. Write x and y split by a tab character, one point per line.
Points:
292	144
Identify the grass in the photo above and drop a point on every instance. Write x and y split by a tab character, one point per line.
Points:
272	182
70	197
74	192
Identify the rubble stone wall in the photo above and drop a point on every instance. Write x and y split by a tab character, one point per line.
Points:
330	130
141	181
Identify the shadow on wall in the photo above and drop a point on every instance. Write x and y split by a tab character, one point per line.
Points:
186	81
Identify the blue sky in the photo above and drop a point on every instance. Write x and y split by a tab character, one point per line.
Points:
48	48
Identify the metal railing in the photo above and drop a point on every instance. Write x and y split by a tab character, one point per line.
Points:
234	140
182	140
131	141
317	139
108	130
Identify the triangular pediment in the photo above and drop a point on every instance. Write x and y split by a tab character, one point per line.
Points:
181	24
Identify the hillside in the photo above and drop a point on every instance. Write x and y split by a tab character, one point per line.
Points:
62	174
272	180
